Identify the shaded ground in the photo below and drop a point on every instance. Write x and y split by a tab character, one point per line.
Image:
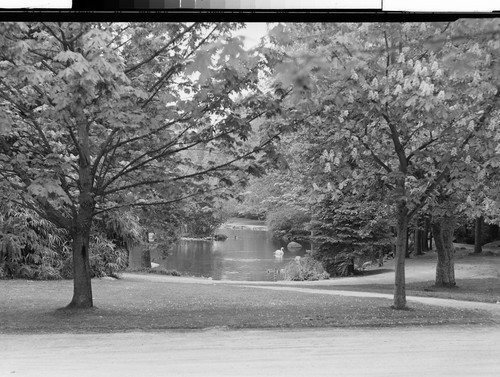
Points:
153	303
150	302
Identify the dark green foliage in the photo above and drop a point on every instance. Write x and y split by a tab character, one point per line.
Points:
35	249
348	233
122	227
287	219
30	247
202	219
163	271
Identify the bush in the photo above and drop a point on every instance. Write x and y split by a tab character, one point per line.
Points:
106	259
304	269
30	247
33	248
163	271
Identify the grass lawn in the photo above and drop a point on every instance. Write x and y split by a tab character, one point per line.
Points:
136	304
480	290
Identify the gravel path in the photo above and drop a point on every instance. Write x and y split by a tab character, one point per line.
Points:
432	351
494	309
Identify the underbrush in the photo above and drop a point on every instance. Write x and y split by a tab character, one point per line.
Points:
35	249
305	268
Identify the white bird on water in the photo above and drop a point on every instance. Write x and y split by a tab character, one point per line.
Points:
279	253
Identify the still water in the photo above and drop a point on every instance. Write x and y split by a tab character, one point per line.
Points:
246	254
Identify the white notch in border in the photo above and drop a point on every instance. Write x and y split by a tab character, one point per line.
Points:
40	4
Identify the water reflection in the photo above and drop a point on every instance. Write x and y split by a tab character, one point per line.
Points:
247	254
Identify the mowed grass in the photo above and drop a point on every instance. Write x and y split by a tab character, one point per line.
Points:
140	304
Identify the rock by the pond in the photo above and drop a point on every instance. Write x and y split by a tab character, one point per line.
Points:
220	237
294	246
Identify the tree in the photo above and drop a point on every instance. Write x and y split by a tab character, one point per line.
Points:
402	104
349	230
478	238
102	117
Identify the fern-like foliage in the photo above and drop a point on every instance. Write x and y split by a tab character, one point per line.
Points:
34	248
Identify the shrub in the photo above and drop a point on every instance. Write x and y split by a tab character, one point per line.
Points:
30	247
163	271
33	248
305	269
106	259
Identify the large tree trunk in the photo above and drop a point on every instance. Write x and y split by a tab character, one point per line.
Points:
82	290
146	256
401	239
442	230
82	287
478	235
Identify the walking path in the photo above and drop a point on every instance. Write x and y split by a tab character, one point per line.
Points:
429	351
416	270
493	309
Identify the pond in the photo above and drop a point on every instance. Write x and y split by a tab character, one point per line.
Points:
247	254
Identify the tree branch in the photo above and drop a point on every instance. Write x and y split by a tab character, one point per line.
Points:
397	144
376	158
421	147
155	54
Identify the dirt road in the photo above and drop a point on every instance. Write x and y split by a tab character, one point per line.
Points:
432	351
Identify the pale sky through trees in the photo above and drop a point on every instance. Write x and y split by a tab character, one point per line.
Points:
252	32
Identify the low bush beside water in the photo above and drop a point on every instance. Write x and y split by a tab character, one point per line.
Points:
305	268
